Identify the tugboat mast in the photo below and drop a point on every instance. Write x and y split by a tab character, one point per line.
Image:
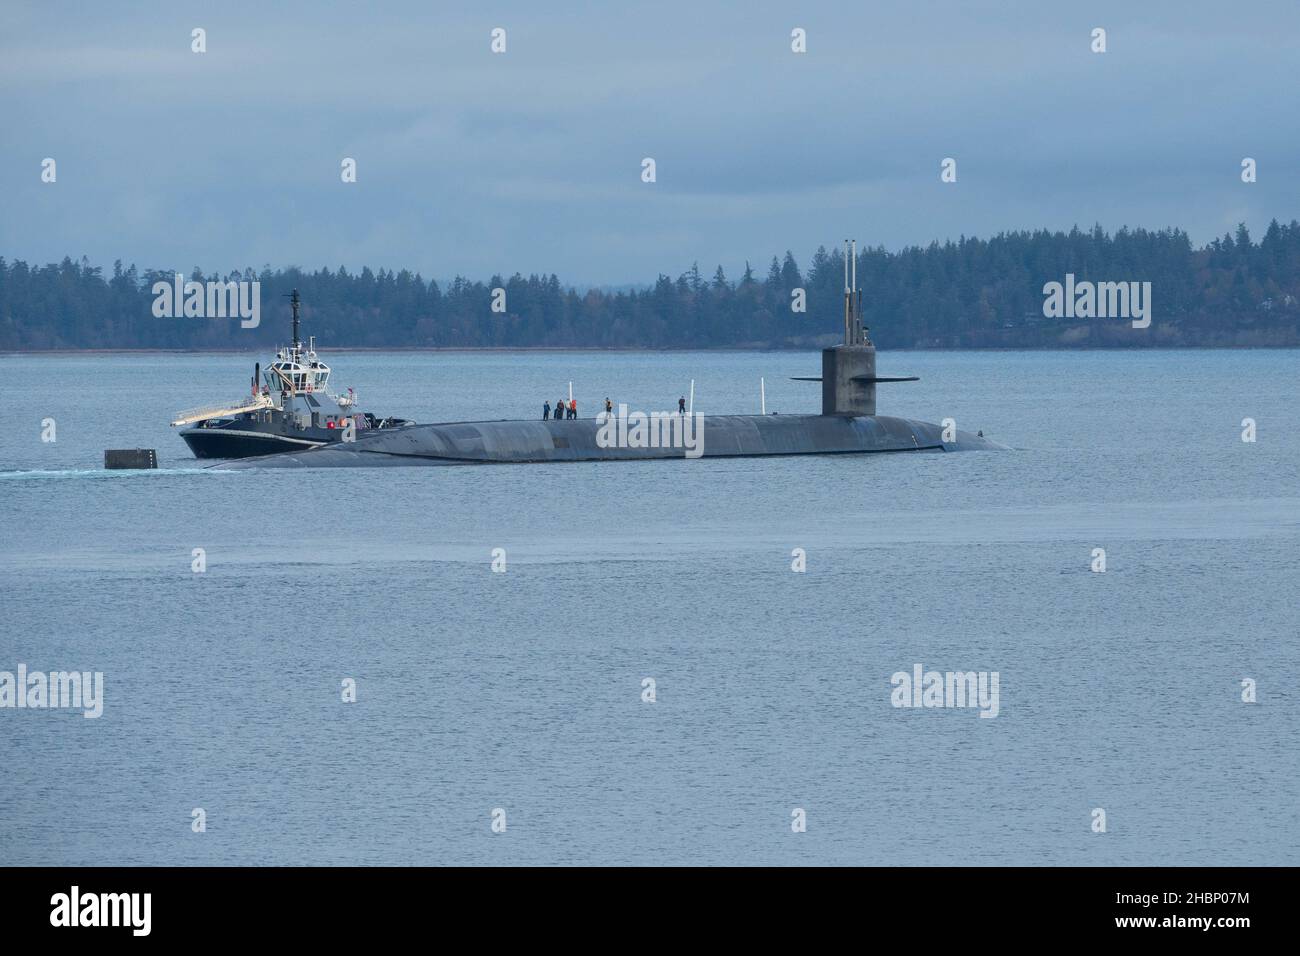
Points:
293	301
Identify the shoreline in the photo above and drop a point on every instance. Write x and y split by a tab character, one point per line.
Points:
501	350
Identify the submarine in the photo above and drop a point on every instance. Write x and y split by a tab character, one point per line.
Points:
848	425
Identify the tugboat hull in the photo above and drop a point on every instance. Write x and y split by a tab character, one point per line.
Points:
241	443
251	436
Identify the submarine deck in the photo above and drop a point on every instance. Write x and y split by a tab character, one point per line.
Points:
720	436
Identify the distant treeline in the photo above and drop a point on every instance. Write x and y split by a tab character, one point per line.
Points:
968	293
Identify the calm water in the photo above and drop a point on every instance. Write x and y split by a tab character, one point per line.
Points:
522	690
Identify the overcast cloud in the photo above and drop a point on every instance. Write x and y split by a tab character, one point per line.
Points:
475	163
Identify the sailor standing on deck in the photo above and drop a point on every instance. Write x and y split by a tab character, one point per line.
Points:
573	408
681	406
559	409
609	409
546	410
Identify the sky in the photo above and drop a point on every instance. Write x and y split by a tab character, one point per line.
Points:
477	163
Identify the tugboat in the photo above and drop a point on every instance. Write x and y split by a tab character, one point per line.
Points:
290	408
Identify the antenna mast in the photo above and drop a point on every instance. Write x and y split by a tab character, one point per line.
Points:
858	337
848	299
293	301
854	333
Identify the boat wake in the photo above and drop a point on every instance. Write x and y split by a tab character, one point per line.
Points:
101	473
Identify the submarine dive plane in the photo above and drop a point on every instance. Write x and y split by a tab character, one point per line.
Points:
848	424
292	408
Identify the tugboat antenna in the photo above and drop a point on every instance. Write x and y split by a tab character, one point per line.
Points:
293	301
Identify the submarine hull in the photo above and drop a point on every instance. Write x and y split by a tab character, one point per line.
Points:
719	436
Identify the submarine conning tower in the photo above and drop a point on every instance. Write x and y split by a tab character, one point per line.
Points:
849	370
849	380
